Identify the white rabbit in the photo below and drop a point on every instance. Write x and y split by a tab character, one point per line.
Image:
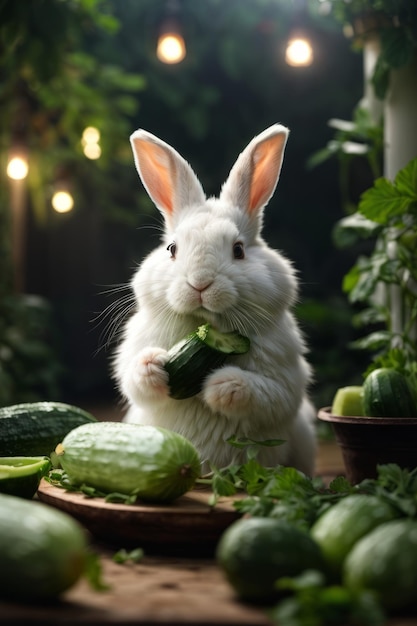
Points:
213	266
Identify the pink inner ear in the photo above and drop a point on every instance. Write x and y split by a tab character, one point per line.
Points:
155	169
266	167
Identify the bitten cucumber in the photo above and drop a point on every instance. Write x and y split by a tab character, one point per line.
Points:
202	351
43	550
348	401
20	476
153	463
35	428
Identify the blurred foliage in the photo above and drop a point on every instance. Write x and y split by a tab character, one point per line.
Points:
50	89
92	62
395	21
356	142
391	207
29	367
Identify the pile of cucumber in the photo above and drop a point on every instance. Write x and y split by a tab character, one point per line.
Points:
44	551
386	392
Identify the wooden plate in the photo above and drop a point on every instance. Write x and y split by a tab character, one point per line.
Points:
189	523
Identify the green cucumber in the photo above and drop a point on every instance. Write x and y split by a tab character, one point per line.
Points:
348	401
202	351
386	393
384	562
254	552
43	551
343	524
21	475
35	428
155	464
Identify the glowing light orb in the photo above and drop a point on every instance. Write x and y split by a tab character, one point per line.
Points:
62	201
299	52
91	135
92	151
171	48
17	168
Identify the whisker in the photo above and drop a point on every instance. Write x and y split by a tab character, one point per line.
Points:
113	316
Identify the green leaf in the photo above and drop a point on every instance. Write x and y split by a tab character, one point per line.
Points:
321	156
311	601
123	556
406	180
120	497
94	572
349	229
340	485
244	442
383	201
223	486
371	315
254	475
397	47
373	341
360	282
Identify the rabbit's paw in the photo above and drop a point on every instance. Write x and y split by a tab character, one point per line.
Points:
149	374
226	390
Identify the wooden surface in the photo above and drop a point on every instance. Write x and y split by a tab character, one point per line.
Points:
188	524
180	590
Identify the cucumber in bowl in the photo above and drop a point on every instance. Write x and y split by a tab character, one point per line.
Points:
387	393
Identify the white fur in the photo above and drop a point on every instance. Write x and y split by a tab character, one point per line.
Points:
261	394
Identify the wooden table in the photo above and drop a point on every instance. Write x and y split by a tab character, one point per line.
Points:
177	590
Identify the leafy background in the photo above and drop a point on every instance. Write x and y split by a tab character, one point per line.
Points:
66	65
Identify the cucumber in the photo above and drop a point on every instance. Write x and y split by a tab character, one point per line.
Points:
254	552
155	464
386	393
35	428
202	351
21	475
43	551
343	524
348	401
384	562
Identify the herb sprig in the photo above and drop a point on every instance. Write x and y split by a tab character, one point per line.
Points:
59	478
286	493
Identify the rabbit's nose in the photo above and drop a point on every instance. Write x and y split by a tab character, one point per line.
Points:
200	285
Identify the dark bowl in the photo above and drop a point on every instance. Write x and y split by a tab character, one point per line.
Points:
367	442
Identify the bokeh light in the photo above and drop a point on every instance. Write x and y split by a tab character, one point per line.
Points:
62	201
171	48
17	168
299	52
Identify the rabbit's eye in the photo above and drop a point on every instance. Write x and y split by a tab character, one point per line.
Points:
238	250
172	248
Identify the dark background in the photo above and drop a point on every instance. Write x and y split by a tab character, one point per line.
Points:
233	84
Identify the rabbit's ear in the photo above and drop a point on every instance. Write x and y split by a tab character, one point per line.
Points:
166	176
254	176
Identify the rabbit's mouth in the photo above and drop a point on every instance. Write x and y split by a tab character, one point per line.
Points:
201	298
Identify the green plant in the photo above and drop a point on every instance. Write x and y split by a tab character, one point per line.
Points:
396	23
358	138
384	282
53	83
30	369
